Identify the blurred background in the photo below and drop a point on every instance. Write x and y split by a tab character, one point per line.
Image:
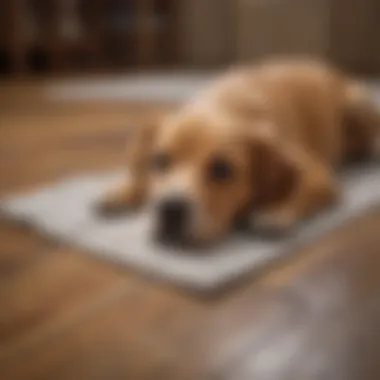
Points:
43	37
74	76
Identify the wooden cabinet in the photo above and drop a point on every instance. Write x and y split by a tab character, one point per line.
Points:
342	31
354	35
54	36
276	27
43	36
207	32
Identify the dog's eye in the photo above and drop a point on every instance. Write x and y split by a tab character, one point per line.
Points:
160	162
220	170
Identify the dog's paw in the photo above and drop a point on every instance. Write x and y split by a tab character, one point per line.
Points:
117	204
107	208
273	223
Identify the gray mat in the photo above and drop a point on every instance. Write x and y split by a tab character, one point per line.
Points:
63	211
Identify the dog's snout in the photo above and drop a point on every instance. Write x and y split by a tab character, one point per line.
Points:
173	218
174	211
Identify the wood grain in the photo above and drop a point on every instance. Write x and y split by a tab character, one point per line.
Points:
65	315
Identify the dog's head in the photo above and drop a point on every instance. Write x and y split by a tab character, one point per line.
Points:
206	172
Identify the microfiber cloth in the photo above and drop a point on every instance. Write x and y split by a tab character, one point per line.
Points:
64	211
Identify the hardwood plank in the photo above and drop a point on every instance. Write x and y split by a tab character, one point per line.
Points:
19	248
138	336
54	292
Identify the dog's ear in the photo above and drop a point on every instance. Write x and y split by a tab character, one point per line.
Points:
274	173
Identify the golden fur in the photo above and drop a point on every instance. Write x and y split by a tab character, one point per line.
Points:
280	129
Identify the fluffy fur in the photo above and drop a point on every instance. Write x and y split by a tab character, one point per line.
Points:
276	131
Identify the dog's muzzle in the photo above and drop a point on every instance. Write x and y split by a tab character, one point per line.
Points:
173	217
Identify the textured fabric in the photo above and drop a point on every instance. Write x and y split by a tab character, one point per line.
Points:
64	211
174	87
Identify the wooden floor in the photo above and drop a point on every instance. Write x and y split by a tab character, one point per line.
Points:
65	315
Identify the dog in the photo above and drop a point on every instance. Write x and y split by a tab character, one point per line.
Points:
262	143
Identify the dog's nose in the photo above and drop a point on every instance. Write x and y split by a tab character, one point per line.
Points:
173	218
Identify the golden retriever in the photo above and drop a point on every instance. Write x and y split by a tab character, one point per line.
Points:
262	142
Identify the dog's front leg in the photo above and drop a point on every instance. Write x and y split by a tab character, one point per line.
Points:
128	195
132	192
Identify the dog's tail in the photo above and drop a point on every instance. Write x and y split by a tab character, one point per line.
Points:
363	111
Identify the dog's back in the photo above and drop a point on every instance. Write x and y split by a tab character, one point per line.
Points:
310	103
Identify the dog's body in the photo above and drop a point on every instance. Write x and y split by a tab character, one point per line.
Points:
262	142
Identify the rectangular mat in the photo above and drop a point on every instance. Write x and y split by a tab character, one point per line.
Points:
63	211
